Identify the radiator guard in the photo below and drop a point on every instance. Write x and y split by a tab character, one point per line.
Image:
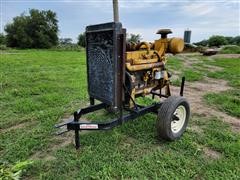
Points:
105	62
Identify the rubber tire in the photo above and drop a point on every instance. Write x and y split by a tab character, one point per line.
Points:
165	114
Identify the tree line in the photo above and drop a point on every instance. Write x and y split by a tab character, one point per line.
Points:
218	41
35	29
39	29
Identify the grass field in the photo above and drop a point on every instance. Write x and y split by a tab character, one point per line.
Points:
39	88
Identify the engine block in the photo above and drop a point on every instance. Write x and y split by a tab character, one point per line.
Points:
145	66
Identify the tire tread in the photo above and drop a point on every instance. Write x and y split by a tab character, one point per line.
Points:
164	116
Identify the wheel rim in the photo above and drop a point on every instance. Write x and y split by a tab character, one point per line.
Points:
180	113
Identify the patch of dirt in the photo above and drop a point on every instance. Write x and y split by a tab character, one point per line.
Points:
228	56
208	85
189	61
196	129
62	141
1	52
174	77
128	141
58	142
212	68
210	153
17	126
186	63
194	92
42	156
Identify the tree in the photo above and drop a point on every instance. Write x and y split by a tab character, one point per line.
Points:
82	40
217	41
202	43
2	39
236	40
229	39
65	41
39	29
135	38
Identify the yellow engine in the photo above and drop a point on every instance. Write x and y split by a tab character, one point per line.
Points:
145	66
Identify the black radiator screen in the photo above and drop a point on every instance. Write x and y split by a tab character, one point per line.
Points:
102	61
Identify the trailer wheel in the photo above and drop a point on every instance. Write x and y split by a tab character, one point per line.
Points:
173	117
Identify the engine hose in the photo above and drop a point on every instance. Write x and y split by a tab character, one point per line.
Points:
143	66
143	43
159	58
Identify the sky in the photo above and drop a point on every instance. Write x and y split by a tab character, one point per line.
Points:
203	17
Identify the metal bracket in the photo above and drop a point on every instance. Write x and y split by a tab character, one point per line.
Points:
182	86
128	93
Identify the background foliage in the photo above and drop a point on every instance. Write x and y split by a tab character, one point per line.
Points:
39	29
134	38
217	40
82	40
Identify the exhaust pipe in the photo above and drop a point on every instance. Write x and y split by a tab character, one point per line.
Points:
115	11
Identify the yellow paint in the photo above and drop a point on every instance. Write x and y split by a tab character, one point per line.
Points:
143	66
151	57
176	45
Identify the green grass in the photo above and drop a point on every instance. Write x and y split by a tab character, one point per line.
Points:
231	49
230	72
175	64
132	151
38	88
192	75
226	101
199	69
